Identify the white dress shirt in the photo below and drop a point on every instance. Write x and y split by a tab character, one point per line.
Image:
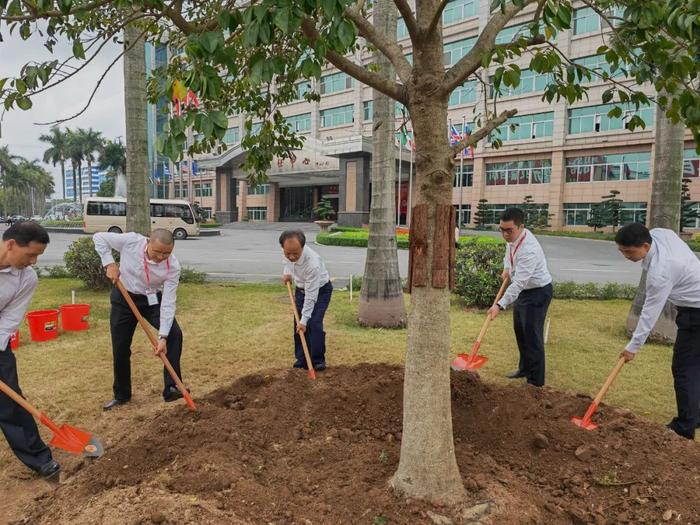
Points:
16	290
309	273
673	274
525	261
137	271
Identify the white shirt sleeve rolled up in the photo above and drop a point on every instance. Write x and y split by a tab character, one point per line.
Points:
12	314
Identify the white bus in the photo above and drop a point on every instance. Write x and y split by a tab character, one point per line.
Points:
108	214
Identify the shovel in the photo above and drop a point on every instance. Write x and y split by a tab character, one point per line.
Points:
154	342
307	356
473	361
65	437
585	421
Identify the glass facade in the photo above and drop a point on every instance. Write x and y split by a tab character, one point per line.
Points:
600	168
593	119
519	172
538	125
335	82
337	116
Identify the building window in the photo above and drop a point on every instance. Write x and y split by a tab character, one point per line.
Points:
457	10
453	51
510	34
519	172
466	214
464	94
180	192
530	82
257	214
694	222
598	64
600	168
691	163
337	116
161	56
577	214
593	119
467	176
367	107
336	82
203	189
633	212
258	189
302	89
534	126
232	136
299	123
401	29
586	20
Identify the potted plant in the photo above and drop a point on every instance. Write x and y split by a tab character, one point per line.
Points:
325	213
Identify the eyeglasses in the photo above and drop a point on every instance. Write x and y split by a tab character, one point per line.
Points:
506	230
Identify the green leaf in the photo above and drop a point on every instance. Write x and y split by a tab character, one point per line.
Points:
250	37
346	33
210	41
78	50
25	31
65	6
608	95
20	86
24	103
219	119
282	19
265	33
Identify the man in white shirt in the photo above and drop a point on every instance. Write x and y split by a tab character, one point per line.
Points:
673	274
150	273
313	292
22	243
530	291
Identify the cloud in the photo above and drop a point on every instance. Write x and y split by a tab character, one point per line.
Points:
105	114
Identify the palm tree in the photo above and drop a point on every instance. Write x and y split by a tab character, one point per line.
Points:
113	158
57	153
75	154
381	297
8	170
92	142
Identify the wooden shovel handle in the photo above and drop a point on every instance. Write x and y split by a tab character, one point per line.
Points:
609	381
488	320
151	337
307	355
19	400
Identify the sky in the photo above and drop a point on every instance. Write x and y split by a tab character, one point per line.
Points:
105	114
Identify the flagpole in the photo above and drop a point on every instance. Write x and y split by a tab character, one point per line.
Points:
398	187
410	181
461	171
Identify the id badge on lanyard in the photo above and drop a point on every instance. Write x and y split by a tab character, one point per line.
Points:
151	294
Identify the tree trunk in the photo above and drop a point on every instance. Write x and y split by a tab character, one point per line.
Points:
80	181
63	178
664	212
89	163
381	297
427	465
75	182
137	200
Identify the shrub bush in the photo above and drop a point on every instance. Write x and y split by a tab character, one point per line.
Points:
478	272
607	291
53	272
82	262
190	275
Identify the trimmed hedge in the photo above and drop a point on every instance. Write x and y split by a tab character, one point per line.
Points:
358	237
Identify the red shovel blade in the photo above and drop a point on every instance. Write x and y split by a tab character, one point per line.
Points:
312	373
477	362
188	399
583	423
76	441
466	362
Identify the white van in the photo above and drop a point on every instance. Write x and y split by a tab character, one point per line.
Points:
108	214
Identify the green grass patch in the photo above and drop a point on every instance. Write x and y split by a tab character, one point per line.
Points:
358	237
210	225
76	223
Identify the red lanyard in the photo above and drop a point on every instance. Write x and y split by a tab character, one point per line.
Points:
145	267
513	252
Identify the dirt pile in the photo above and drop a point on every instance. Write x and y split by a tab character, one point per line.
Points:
274	448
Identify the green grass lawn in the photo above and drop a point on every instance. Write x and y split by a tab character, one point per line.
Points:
235	329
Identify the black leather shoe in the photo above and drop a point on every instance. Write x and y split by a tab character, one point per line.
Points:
50	471
320	367
172	394
113	403
516	374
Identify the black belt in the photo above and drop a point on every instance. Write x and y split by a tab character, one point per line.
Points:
687	309
302	290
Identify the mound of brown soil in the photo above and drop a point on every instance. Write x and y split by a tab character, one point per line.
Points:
276	448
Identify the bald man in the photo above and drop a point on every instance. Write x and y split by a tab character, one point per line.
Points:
150	273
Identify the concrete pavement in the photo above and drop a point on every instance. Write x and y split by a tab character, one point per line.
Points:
251	253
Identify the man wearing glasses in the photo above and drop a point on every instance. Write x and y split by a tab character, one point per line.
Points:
530	292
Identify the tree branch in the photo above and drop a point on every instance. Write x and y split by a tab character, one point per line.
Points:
408	18
390	88
437	16
470	62
389	48
482	132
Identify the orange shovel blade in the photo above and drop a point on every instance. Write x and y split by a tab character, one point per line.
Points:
188	399
76	441
583	423
477	362
466	362
312	373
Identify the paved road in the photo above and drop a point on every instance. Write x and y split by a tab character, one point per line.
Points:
246	252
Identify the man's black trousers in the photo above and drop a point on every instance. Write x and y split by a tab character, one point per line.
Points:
17	424
686	371
122	326
315	336
529	313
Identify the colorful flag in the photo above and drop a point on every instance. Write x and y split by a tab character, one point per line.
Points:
455	137
468	132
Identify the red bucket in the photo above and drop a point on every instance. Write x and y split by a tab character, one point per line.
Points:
43	324
74	317
14	341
